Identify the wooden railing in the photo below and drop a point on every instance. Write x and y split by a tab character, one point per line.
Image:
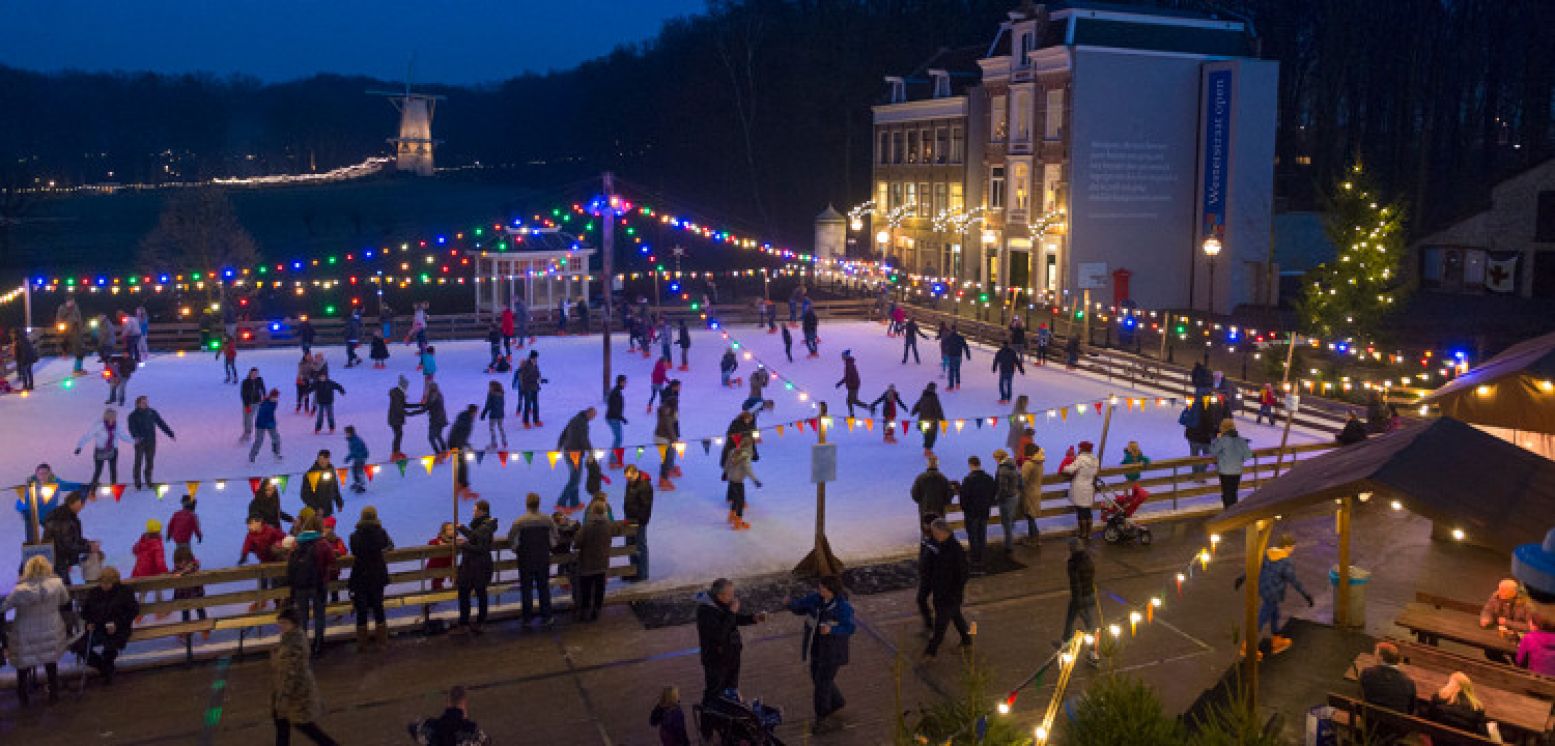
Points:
247	609
1169	482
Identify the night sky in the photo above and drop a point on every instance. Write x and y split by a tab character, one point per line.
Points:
453	41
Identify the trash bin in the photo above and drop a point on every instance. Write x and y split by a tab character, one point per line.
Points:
1359	578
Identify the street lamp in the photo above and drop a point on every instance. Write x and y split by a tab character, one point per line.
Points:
1212	250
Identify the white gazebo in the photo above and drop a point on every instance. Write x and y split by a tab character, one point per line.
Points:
543	266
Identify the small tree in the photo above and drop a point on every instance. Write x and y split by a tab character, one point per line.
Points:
198	231
1351	295
1118	710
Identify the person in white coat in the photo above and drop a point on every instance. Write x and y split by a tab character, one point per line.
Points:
1230	451
105	437
37	634
1082	487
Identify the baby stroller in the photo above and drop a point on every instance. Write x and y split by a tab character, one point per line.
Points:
1117	513
736	722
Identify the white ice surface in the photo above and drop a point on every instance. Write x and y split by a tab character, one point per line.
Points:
869	512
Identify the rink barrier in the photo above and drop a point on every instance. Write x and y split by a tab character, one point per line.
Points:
409	588
1317	413
1169	482
167	336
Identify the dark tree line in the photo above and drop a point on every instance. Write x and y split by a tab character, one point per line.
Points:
757	111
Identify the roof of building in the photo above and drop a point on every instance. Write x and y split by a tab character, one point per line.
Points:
1123	34
959	62
1515	393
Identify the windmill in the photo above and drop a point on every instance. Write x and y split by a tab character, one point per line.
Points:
413	148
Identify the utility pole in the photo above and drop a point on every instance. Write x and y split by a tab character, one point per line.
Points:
607	267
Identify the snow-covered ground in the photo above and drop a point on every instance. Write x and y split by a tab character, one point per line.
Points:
869	511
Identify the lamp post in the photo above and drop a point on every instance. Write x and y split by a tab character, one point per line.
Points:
1211	250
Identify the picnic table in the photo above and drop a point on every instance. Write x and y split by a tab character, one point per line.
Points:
1431	625
1511	709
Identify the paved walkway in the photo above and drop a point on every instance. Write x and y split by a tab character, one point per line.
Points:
586	684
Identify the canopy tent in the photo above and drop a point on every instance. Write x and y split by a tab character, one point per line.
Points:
1514	390
1500	495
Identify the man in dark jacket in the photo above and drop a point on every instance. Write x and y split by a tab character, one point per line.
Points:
928	552
453	728
930	414
532	536
910	336
850	379
1384	685
574	446
931	490
353	337
1083	605
953	348
144	424
947	576
810	325
369	576
718	633
828	627
459	440
615	418
63	528
475	566
979	492
252	392
398	411
306	334
1201	426
320	489
1006	362
639	509
324	391
25	355
109	611
593	547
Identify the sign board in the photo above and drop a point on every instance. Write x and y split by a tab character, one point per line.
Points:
45	550
1293	403
823	463
1217	148
1092	275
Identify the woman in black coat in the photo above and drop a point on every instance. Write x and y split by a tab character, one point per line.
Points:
109	611
475	566
369	576
266	505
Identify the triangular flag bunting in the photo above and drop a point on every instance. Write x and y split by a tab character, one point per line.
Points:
620	454
680	449
529	458
735	439
161	491
552	456
281	480
907	425
372	471
799	425
850	424
707	447
815	423
480	457
944	426
639	455
344	475
980	423
502	458
313	479
960	425
576	457
779	429
1098	407
869	425
253	484
117	490
401	464
427	462
664	451
1063	413
21	492
193	487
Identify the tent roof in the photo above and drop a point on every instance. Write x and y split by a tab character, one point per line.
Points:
1518	394
1445	470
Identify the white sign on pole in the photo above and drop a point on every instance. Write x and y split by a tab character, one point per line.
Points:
1092	275
823	463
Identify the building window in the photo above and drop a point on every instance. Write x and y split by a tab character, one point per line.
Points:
941	144
925	199
910	200
896	146
1022	188
896	196
912	146
927	135
1023	46
996	188
996	119
1020	116
957	197
1052	174
941	197
884	156
882	195
1054	126
957	145
1544	223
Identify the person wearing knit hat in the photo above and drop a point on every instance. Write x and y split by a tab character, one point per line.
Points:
1230	451
150	556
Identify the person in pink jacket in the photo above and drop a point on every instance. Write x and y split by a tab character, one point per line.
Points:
150	556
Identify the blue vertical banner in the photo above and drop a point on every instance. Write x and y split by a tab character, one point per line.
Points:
1217	152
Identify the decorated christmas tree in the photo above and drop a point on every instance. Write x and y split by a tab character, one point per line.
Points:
1351	295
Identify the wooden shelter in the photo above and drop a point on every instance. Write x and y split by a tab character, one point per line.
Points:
544	266
1511	396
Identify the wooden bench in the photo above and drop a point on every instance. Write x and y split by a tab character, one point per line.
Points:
1362	723
1480	670
1443	602
1431	624
1519	714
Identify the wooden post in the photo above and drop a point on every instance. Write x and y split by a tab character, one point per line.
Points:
1085	319
820	562
1106	424
607	264
1257	539
1166	329
1342	600
1290	415
453	548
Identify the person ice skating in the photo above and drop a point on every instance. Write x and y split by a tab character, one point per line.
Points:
144	422
493	413
324	391
1005	363
105	437
898	318
353	334
669	719
1007	479
581	313
561	316
978	492
507	326
320	489
306	335
266	505
810	325
385	319
459	445
379	352
418	327
1072	351
1083	604
1017	334
665	335
656	382
304	384
683	340
1017	423
737	469
1277	574
593	546
308	568
150	556
184	525
453	728
399	410
759	380
25	355
910	336
117	372
788	344
251	392
1267	401
1044	337
850	379
930	414
494	345
437	417
263	541
727	365
428	364
531	537
228	354
37	636
574	445
475	566
527	380
1082	487
931	490
615	419
1230	451
947	575
356	456
369	576
665	431
132	335
294	697
719	620
521	322
637	508
62	528
827	630
953	348
1200	420
67	321
890	404
109	611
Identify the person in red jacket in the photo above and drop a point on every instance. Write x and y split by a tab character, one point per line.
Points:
661	376
445	560
264	542
339	545
150	558
507	332
184	525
